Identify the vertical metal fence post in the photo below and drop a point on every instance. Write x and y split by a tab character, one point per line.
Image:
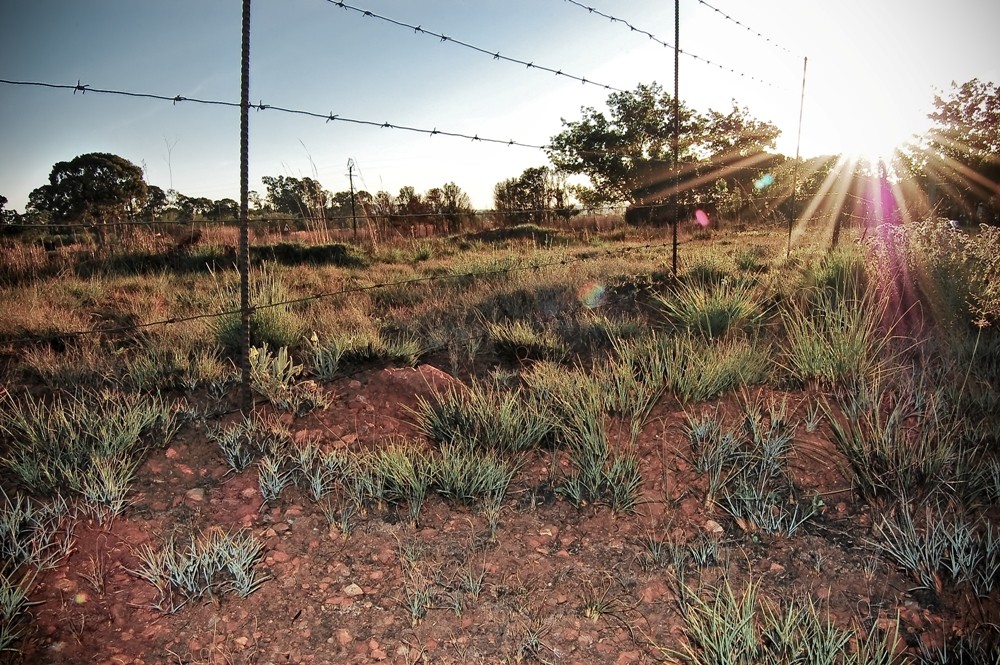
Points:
798	145
246	403
677	126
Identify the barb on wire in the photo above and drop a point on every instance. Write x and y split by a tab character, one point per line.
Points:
746	27
566	260
496	55
654	38
261	106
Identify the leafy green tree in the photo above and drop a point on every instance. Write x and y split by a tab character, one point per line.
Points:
628	153
962	153
95	188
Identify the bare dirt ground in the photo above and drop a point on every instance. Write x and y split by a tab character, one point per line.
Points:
560	584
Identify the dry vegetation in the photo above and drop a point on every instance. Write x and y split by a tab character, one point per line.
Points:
520	446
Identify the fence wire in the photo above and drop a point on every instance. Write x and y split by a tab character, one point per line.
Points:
496	55
657	40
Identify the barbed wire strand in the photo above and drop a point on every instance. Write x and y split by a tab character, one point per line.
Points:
746	27
261	106
654	38
496	55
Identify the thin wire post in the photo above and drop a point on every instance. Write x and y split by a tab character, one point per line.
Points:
795	168
677	126
244	258
354	214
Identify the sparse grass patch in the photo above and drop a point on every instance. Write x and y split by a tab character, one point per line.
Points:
212	563
248	440
86	445
520	341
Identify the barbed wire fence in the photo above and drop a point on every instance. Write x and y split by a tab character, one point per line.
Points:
246	106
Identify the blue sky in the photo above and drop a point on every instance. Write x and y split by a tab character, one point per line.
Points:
873	68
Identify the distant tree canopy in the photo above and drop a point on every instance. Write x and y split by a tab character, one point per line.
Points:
301	197
444	209
628	153
537	195
95	188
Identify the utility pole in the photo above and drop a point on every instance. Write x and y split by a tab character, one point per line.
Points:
354	215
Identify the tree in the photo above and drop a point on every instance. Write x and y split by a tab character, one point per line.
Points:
301	197
450	205
962	152
156	202
96	188
537	195
628	154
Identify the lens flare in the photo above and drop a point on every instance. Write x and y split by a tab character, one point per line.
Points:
764	181
591	295
701	217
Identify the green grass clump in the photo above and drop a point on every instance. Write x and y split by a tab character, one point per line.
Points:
520	341
713	308
212	563
87	445
747	466
747	628
835	341
484	417
273	320
898	443
468	476
599	474
409	473
701	369
946	548
250	439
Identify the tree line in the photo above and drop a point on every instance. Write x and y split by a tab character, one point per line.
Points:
723	164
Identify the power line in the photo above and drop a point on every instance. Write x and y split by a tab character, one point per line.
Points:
496	55
746	27
654	38
261	106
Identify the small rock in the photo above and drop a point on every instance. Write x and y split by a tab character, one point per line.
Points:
714	528
353	590
344	637
172	453
196	495
776	568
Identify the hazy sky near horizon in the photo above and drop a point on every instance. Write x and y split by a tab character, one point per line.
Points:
873	68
